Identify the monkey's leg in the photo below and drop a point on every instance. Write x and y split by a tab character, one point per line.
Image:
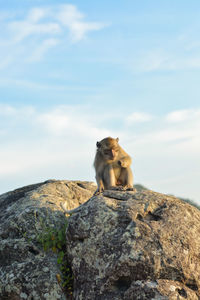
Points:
126	177
109	177
100	185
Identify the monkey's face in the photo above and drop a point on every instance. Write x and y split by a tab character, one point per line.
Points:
109	148
110	153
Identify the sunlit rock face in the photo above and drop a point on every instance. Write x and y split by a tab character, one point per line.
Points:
26	214
135	245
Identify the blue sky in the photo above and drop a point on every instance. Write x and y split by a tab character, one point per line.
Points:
72	73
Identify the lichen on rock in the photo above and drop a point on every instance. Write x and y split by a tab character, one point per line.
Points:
26	270
121	245
135	245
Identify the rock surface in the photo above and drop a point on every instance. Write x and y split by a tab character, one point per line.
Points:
135	245
122	245
26	271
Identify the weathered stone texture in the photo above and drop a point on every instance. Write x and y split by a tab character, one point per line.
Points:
142	245
122	245
26	271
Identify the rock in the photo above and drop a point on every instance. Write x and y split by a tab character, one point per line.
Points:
122	245
135	245
26	270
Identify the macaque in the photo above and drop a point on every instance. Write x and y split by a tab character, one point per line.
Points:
112	166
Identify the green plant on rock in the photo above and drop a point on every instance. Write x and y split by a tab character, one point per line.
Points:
53	239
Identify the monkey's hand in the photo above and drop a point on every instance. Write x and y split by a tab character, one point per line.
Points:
123	163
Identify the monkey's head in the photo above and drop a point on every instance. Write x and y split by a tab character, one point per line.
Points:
109	148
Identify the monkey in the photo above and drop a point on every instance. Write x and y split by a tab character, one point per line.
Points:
112	166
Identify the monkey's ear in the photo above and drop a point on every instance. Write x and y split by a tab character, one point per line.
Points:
98	144
117	139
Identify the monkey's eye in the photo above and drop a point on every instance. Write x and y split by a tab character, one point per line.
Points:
107	152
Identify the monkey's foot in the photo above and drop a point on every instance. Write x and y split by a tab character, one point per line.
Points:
129	188
122	188
97	192
116	188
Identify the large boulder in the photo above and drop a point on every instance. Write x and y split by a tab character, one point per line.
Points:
135	245
26	215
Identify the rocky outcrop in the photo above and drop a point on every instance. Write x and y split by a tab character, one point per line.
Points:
135	245
26	270
121	245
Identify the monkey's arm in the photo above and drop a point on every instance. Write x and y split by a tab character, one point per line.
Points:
99	167
125	161
100	185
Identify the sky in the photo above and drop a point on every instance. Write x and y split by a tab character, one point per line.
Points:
73	73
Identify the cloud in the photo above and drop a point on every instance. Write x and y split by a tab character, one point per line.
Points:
182	115
69	121
175	129
138	117
53	20
70	17
153	61
53	143
37	13
162	60
32	36
40	51
60	143
21	30
7	110
166	155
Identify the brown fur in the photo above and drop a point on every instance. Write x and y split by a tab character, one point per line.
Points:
112	166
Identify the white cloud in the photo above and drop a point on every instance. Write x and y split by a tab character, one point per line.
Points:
40	51
56	143
53	20
10	112
68	121
31	37
167	158
55	122
138	117
37	13
60	143
7	110
181	131
183	115
161	60
36	23
70	17
24	29
153	61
